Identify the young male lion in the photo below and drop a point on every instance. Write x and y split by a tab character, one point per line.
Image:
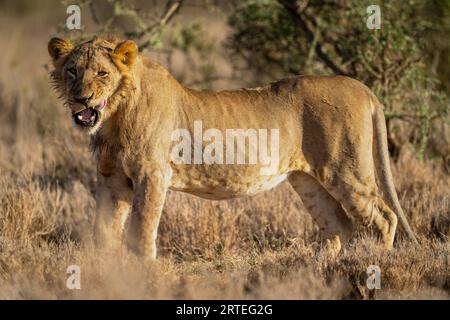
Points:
331	130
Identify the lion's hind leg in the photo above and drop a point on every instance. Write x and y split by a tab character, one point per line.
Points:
324	209
362	202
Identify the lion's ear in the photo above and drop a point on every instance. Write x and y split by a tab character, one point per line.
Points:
125	53
58	48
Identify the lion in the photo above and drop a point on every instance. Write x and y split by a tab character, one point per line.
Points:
331	129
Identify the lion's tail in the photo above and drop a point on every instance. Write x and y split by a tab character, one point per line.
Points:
383	167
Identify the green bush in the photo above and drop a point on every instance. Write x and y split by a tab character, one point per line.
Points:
285	37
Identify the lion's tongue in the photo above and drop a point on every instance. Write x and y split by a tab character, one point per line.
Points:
101	105
86	114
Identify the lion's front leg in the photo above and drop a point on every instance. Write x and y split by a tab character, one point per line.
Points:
148	201
113	197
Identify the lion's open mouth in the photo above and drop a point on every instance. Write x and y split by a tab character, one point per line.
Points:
89	117
86	118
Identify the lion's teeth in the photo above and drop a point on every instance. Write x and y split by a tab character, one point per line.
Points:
80	117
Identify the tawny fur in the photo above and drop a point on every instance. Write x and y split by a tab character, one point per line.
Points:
332	143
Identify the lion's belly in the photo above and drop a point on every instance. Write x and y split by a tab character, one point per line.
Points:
223	183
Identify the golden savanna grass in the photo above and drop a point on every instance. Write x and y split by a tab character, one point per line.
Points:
264	247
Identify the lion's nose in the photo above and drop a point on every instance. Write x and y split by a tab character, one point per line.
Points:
83	100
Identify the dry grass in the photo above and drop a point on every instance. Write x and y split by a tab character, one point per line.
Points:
263	247
260	247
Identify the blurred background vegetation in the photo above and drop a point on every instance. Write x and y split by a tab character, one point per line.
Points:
223	44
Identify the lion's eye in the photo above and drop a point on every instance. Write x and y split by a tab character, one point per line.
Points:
72	72
102	73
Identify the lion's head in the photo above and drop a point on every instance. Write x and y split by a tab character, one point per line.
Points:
92	77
